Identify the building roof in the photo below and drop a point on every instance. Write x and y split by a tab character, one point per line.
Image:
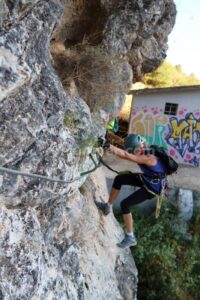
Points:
165	90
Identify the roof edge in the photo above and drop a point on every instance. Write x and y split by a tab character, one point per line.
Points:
163	90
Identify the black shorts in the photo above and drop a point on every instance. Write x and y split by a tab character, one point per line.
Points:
132	179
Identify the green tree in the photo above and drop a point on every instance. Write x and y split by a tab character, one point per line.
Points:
167	75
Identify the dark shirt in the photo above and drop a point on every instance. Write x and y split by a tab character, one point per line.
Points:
153	176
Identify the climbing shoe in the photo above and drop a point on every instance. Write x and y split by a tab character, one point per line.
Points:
128	241
104	207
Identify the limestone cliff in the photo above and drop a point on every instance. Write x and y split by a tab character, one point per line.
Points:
65	67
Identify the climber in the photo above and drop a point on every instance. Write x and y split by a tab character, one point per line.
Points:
150	182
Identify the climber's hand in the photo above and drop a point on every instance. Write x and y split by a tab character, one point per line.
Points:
105	144
100	142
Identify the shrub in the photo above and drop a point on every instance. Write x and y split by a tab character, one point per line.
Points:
167	261
70	120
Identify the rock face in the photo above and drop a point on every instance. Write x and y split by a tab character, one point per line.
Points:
54	244
186	204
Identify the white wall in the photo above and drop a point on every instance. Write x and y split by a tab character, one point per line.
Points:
179	134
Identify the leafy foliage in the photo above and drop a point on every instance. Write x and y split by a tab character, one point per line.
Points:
167	75
167	256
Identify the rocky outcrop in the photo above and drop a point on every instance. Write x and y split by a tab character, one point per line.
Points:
64	249
185	204
54	244
135	29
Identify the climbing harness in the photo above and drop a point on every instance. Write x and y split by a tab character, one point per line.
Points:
159	197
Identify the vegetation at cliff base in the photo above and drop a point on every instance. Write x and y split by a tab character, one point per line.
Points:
167	255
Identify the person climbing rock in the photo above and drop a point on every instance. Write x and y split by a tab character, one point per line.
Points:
150	181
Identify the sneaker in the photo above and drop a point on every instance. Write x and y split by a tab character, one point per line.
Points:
128	241
104	207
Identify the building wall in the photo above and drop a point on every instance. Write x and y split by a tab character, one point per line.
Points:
180	134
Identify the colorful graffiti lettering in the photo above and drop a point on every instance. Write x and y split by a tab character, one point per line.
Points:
184	137
179	135
152	126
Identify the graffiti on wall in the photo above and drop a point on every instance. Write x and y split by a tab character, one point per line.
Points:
179	135
184	137
151	124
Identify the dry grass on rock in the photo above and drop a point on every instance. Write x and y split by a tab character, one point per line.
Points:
97	75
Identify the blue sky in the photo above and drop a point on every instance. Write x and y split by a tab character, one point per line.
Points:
184	40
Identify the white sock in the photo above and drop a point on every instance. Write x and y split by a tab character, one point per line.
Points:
129	234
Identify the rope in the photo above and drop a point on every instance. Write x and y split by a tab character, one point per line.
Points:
107	166
15	172
96	165
32	175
